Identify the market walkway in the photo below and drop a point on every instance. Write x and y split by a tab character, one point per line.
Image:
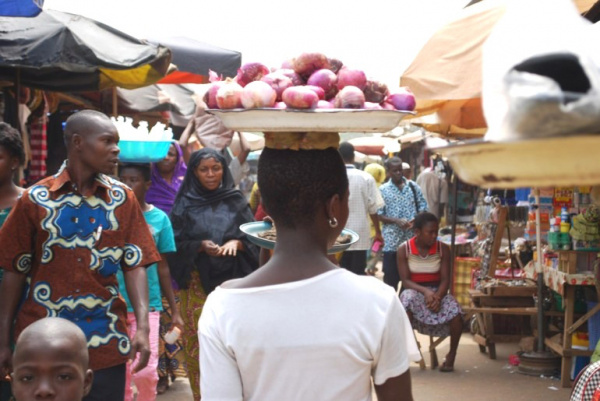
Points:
476	377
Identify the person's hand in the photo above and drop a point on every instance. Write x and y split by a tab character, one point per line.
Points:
430	299
5	362
140	344
177	320
210	248
230	248
379	237
403	224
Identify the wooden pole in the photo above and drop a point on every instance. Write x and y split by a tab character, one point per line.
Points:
115	102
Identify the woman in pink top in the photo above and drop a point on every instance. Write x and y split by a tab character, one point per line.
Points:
424	266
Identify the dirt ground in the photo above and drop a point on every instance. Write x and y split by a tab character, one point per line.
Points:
476	378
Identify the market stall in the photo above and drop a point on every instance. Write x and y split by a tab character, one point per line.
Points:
522	150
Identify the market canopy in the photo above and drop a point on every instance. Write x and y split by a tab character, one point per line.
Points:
446	75
66	52
194	59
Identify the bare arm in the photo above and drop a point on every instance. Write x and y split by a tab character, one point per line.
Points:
11	290
185	138
166	287
375	220
395	389
444	272
244	149
136	284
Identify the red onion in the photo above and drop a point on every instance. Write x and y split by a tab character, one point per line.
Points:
350	77
210	97
278	82
229	96
375	91
307	63
325	79
258	94
318	90
335	65
324	104
300	97
291	74
373	106
288	64
213	76
387	106
350	97
250	72
280	105
402	99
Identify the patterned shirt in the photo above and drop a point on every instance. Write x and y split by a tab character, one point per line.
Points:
399	204
53	237
364	200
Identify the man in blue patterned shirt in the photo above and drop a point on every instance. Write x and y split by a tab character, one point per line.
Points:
403	201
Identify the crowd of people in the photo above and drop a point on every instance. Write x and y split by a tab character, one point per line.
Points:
100	271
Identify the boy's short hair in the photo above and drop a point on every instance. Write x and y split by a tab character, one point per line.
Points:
143	168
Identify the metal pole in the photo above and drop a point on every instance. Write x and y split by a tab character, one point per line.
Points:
454	220
540	272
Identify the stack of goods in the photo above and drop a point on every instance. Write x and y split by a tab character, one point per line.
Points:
558	237
309	81
141	145
586	231
464	270
546	211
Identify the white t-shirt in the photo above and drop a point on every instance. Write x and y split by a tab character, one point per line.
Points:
365	199
321	338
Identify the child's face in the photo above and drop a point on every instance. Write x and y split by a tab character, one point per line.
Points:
134	179
50	370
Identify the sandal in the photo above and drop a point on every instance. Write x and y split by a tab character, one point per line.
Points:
447	365
163	384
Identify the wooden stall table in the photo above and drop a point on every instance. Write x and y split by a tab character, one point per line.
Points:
499	300
564	284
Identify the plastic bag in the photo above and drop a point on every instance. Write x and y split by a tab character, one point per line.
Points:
535	72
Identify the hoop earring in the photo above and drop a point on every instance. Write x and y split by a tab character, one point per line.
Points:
333	223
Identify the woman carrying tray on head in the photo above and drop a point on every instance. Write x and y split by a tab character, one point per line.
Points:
211	249
300	327
424	266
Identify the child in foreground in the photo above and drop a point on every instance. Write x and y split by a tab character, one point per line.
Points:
137	177
51	362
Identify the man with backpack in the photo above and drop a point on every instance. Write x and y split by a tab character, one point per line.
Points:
403	201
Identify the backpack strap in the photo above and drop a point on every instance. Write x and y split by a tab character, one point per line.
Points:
414	192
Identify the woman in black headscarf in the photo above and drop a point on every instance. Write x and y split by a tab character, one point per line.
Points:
211	249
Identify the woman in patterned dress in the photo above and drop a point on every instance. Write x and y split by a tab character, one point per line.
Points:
424	266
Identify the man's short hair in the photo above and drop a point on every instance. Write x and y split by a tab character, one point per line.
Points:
347	151
142	168
395	160
80	123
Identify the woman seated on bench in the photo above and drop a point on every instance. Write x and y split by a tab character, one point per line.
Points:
424	265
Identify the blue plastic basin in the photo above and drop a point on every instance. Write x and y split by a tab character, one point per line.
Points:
143	151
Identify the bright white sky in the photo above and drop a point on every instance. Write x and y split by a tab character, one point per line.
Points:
381	37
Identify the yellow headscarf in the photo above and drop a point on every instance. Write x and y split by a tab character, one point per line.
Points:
377	171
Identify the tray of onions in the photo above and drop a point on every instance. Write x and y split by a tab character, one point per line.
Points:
309	93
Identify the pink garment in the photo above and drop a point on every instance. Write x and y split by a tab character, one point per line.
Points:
146	379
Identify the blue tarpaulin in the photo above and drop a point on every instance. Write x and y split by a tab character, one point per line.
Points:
20	8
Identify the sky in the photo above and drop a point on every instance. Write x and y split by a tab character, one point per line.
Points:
381	37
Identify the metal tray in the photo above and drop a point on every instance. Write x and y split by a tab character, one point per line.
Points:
252	230
542	162
314	120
